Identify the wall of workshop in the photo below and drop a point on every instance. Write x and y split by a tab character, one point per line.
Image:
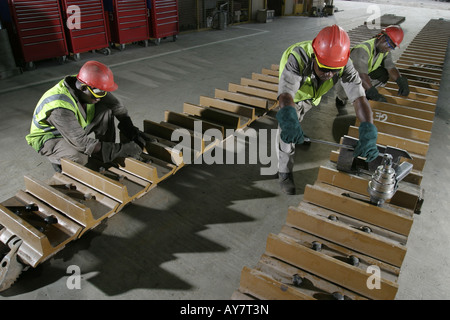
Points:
187	12
193	14
289	7
257	5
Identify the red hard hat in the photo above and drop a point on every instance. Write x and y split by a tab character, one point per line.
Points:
97	75
395	33
332	47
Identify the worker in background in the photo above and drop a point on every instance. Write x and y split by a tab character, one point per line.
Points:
74	108
308	70
373	61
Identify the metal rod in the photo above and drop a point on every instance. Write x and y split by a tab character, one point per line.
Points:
330	143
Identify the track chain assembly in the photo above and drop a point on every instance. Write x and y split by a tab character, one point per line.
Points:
336	244
41	220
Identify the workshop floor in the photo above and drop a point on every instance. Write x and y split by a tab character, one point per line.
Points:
190	237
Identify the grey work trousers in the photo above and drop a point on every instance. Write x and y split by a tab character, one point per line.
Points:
103	128
286	151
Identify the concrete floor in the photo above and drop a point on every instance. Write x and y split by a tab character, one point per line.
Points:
190	237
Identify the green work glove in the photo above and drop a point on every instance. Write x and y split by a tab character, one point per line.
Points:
367	144
403	87
291	131
373	94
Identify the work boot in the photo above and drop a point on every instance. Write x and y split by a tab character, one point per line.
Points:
286	181
340	106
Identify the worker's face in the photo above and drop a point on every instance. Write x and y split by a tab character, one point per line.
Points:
385	44
91	96
324	74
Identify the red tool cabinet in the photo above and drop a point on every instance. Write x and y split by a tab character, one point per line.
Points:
91	34
164	19
128	21
39	28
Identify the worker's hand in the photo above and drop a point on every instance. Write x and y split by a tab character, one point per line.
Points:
131	132
127	128
291	131
130	149
403	87
111	151
373	94
367	144
140	139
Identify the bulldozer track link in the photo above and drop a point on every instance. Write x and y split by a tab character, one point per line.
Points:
302	262
333	244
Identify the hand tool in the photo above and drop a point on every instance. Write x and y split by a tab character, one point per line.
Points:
385	180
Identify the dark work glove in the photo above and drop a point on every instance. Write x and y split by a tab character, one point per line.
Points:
373	94
367	144
111	151
131	132
403	87
291	131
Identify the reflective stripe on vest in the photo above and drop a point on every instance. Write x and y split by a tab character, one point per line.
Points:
39	108
306	90
369	47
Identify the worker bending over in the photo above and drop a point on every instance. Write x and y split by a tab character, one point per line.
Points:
373	61
308	70
74	108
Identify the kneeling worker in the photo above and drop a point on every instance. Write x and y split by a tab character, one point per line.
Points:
373	61
77	106
308	70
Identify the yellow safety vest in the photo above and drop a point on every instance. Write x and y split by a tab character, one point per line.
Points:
369	47
306	90
57	97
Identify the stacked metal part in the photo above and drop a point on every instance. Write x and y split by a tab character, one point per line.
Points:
56	29
86	28
128	21
164	21
39	30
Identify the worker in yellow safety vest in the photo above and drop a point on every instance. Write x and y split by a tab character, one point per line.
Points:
77	106
308	70
373	61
